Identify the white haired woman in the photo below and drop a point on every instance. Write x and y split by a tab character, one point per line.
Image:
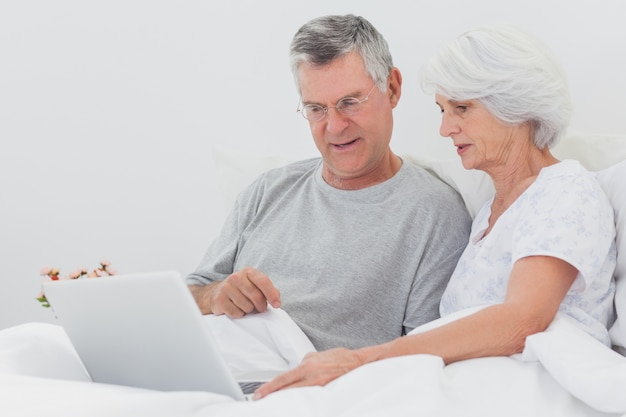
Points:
543	243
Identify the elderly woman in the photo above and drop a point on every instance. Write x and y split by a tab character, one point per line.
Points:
544	243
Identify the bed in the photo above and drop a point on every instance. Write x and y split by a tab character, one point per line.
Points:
561	372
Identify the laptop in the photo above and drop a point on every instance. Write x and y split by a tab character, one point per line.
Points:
143	330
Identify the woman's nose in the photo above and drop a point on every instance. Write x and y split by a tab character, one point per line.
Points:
448	126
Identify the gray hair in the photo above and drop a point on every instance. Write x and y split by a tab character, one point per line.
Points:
324	39
512	74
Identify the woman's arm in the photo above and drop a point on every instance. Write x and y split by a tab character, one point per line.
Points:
536	288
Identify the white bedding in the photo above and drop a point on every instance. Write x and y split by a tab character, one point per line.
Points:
562	372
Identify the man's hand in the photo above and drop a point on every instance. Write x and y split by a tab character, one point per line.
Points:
242	292
318	368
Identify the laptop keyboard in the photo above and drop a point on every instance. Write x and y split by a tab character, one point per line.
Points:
250	387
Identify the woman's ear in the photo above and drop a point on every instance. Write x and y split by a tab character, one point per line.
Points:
394	86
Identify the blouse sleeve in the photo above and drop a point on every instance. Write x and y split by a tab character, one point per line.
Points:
568	218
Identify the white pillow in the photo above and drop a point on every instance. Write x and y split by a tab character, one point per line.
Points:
475	187
42	350
612	181
236	170
594	152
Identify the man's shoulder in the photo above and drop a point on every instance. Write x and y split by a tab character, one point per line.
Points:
282	177
270	185
424	189
290	171
295	167
426	181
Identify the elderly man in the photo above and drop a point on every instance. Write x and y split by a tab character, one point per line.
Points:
356	245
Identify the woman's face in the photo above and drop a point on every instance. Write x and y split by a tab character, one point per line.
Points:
483	142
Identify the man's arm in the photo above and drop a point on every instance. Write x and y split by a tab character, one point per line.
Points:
242	292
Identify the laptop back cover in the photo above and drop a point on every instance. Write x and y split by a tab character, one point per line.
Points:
141	330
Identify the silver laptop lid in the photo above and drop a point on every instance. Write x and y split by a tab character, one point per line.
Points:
141	330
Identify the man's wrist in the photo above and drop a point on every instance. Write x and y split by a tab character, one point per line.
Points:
202	296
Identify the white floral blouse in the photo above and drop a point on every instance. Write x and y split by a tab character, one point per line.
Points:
564	214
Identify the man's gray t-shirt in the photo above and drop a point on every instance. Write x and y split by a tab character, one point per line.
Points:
354	268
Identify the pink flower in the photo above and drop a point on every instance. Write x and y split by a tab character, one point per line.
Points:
75	274
96	273
54	274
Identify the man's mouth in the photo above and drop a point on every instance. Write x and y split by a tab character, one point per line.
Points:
344	145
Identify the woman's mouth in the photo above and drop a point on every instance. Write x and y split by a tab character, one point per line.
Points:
460	149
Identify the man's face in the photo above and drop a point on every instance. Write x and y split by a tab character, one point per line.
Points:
355	149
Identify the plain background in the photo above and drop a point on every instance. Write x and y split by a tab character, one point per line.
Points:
109	111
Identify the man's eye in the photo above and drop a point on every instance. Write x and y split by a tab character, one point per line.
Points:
313	109
348	105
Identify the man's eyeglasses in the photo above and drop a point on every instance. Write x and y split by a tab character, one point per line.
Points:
348	106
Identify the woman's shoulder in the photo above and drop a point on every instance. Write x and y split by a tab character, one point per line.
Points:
569	171
567	168
568	182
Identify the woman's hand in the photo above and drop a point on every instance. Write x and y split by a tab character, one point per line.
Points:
318	368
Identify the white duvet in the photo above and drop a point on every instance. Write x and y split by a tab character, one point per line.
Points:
562	372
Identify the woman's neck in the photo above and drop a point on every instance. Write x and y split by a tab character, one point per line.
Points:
510	181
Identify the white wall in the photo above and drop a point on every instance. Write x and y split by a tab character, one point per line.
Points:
108	111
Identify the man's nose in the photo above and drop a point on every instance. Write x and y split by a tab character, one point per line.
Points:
336	121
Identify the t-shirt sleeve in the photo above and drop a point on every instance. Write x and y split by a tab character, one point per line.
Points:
446	234
567	218
219	258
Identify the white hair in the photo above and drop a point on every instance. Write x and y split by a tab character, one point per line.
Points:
511	73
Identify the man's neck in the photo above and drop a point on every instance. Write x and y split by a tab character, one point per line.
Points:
379	174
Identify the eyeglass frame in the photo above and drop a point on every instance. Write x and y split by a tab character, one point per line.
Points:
336	106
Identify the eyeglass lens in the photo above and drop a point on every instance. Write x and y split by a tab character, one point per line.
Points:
348	106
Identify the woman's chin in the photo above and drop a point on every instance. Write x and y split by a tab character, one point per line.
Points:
467	163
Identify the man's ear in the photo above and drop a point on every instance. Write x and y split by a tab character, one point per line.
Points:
394	86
